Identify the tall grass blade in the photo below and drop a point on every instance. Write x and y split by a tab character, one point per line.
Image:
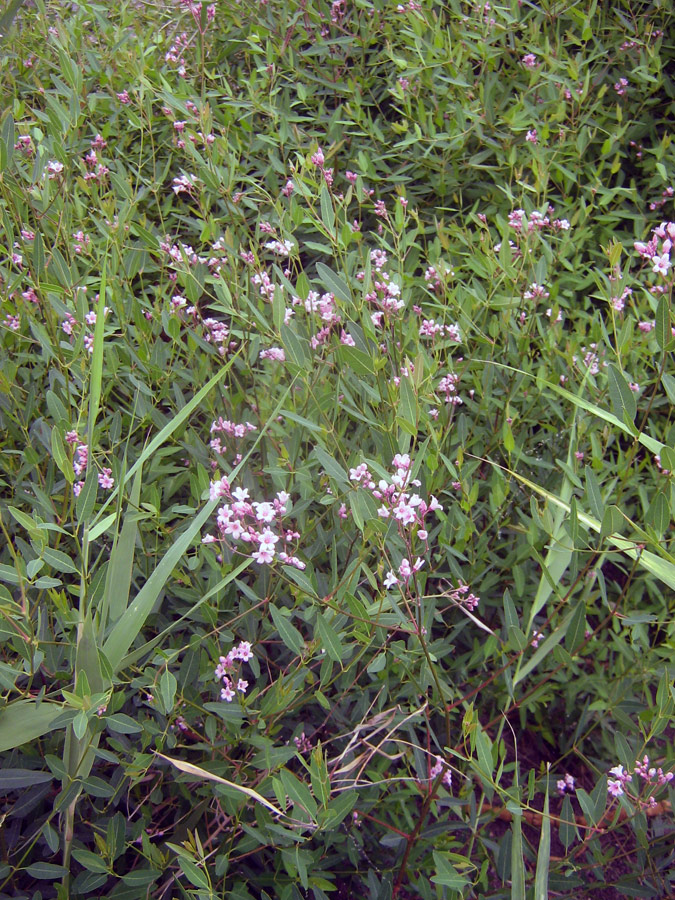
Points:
544	854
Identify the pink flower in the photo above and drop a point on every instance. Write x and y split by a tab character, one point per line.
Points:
104	479
54	168
390	580
243	651
263	557
227	693
615	788
661	264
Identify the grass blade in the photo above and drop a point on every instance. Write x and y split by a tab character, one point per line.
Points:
25	721
544	854
120	570
129	625
200	773
661	566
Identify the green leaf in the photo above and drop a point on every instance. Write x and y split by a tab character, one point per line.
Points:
120	568
329	638
517	860
130	623
576	629
612	522
327	211
84	505
101	527
407	406
484	752
568	828
662	322
363	507
668	382
587	805
544	854
193	873
593	494
38	257
288	633
185	412
8	16
80	723
45	871
298	792
90	861
621	396
61	457
331	467
24	721
335	283
294	347
510	614
446	874
599	799
167	690
122	724
96	370
14	779
357	360
59	560
658	514
338	809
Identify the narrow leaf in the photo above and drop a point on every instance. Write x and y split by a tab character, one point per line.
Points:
202	774
620	395
25	721
335	283
288	633
330	640
662	322
544	854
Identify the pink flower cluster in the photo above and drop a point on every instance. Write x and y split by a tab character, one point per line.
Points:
537	221
80	461
654	777
174	54
463	595
276	354
666	195
252	524
231	429
431	328
565	785
448	386
658	248
591	359
181	253
302	743
438	767
225	668
397	502
536	291
386	293
185	184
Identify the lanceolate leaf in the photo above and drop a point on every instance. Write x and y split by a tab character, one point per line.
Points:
24	721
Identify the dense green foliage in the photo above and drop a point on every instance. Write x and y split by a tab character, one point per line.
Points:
336	409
